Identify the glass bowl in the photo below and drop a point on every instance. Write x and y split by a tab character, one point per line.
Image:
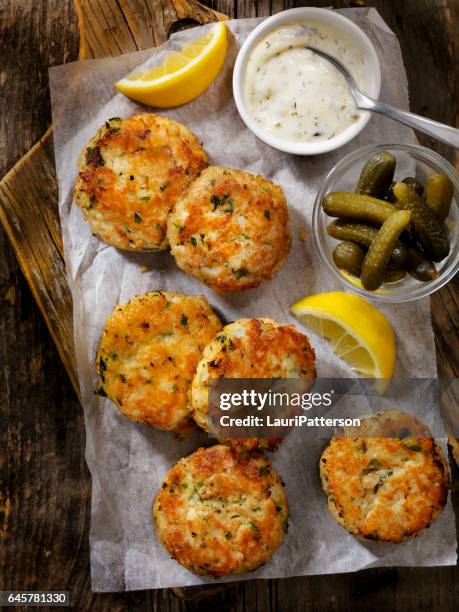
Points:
412	160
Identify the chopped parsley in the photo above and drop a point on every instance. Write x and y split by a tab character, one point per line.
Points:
183	320
267	214
240	273
224	201
193	241
414	447
137	218
164	186
94	156
263	470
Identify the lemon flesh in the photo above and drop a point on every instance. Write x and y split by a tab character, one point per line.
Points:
359	333
183	76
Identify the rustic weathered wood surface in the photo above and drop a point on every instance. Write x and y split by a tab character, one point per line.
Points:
44	495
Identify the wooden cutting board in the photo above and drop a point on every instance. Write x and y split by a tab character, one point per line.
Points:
29	192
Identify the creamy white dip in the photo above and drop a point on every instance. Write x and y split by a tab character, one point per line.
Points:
293	93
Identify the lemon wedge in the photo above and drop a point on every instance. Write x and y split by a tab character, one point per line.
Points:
360	334
183	76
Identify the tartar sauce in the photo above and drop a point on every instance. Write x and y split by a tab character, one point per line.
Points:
297	95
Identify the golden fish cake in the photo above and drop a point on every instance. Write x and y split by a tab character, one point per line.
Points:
220	513
230	229
131	174
148	355
385	489
251	348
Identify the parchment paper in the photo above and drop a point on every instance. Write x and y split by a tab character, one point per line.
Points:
128	461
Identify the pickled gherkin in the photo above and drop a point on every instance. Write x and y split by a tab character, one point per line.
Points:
394	276
362	234
375	263
389	195
357	206
439	194
377	174
431	233
415	184
420	267
348	256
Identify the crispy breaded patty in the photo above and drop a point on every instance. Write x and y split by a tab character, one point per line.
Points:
231	229
220	513
148	355
130	176
385	488
251	348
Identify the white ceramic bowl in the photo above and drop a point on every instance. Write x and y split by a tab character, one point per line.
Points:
371	77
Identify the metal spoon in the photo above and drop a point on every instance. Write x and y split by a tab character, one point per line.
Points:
440	131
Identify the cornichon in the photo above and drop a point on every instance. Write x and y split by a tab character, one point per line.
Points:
420	267
362	234
393	276
375	263
389	195
357	206
377	175
439	194
432	234
348	256
415	183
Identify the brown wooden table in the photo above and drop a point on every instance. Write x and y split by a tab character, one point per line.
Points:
45	485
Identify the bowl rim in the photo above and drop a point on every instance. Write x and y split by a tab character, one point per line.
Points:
295	14
431	158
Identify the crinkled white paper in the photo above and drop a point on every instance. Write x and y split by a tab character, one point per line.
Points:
128	461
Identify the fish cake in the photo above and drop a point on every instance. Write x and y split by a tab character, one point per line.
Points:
251	348
381	487
130	176
148	355
230	229
220	513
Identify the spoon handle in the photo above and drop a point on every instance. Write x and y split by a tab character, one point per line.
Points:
440	131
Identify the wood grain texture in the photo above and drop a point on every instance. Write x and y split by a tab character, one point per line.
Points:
29	192
28	212
111	27
45	488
